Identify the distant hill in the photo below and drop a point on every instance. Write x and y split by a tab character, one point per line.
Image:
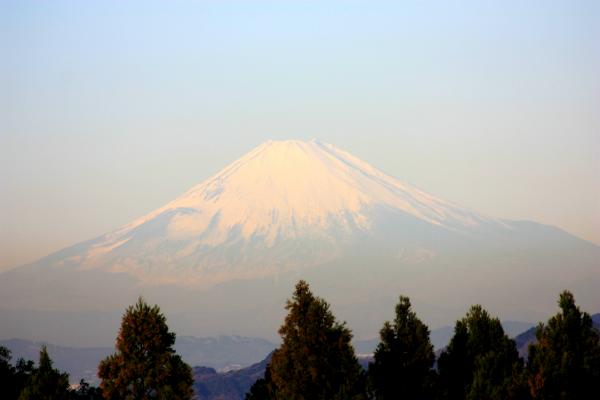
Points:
78	362
222	353
233	385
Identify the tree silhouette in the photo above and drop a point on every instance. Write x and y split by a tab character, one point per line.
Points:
86	392
402	366
262	388
315	360
46	382
565	362
480	362
145	364
8	384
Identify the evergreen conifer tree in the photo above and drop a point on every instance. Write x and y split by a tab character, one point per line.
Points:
315	360
565	361
46	382
402	366
480	362
145	365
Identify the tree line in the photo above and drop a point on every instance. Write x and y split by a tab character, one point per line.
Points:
316	360
26	381
144	366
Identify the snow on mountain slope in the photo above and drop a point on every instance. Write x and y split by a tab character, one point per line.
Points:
227	253
281	188
280	192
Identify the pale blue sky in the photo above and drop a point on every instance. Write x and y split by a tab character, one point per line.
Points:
110	109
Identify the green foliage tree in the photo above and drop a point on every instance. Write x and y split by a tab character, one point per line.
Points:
315	360
480	362
565	362
46	382
403	362
145	365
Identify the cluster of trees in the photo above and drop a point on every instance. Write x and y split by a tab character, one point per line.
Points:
25	381
144	366
316	360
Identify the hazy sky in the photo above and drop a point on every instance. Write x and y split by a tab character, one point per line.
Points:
110	109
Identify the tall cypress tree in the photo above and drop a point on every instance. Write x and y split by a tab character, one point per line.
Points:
565	362
145	364
403	362
315	360
480	362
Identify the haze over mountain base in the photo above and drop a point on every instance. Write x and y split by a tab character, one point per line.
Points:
222	258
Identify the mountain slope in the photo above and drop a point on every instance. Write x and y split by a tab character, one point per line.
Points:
281	206
223	257
233	385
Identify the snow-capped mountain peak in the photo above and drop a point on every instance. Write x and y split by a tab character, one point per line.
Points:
278	193
230	249
281	188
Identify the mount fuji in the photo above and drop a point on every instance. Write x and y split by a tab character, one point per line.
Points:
222	257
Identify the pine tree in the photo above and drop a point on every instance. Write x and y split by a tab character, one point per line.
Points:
315	360
480	362
46	382
403	362
145	364
565	362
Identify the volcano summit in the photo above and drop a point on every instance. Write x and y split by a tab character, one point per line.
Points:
295	209
282	206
